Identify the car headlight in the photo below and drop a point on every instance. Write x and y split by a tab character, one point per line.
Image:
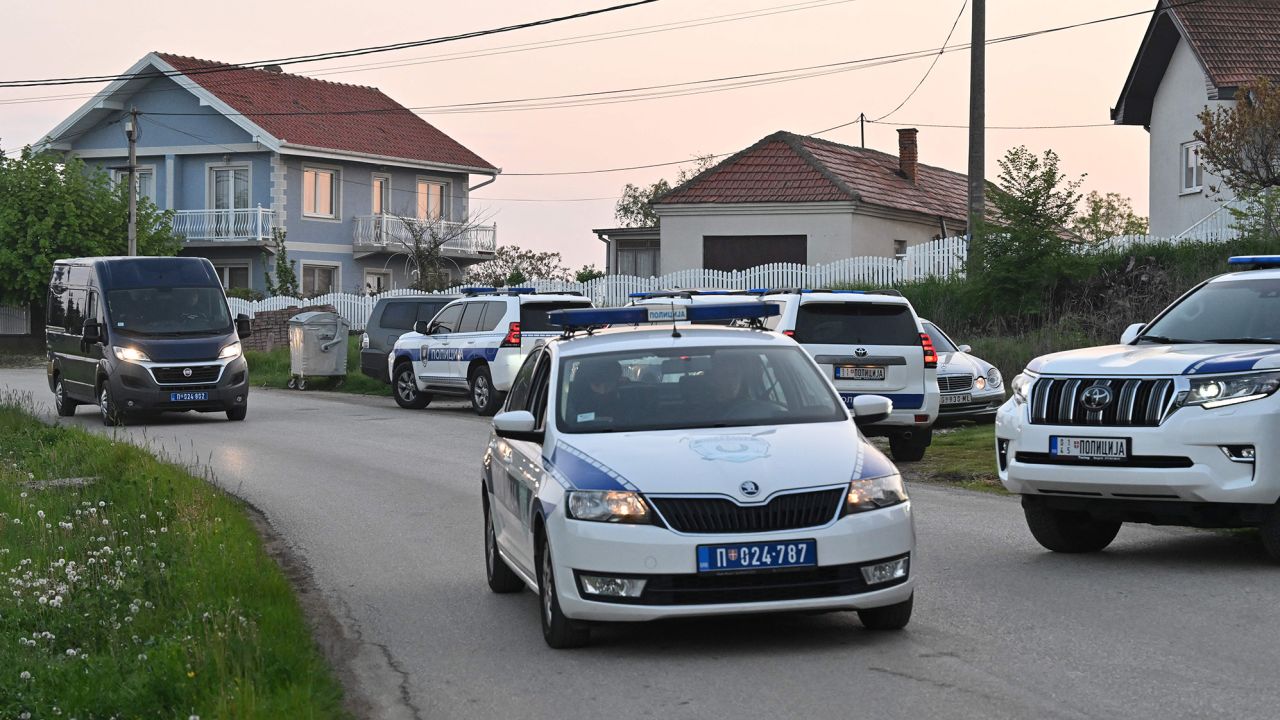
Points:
230	351
1215	392
1021	386
980	383
615	506
874	493
128	354
993	378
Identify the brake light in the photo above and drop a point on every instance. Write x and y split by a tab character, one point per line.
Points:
930	354
513	335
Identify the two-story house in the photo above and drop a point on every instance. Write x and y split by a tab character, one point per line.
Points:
348	173
1193	56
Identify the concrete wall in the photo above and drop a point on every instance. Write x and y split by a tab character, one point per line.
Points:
1182	95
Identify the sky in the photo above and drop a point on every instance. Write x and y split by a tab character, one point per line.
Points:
1070	77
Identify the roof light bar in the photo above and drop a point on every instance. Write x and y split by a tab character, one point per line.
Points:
1257	262
636	314
479	290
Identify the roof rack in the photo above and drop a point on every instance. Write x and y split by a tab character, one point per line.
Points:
474	291
804	291
681	293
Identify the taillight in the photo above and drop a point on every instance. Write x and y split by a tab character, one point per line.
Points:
930	354
513	335
789	333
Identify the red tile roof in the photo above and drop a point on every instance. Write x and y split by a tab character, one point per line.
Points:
789	168
1236	40
324	116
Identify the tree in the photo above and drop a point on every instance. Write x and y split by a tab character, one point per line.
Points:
52	208
1242	143
422	242
286	282
588	273
1106	216
634	208
512	265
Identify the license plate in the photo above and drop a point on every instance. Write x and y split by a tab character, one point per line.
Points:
957	399
853	372
757	556
188	396
1087	448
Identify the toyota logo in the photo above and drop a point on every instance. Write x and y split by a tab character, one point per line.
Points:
186	372
1095	398
860	352
749	488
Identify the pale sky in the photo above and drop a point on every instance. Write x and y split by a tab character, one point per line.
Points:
1071	77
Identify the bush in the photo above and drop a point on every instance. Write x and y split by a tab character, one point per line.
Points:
245	294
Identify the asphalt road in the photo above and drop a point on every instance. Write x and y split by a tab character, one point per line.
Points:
383	504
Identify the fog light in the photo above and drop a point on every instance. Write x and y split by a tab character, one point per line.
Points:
884	572
1239	453
612	586
129	403
1002	453
239	398
922	419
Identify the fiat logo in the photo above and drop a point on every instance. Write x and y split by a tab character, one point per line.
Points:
749	488
860	352
1095	398
186	372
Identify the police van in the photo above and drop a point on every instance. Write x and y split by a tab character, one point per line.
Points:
1175	425
664	471
473	346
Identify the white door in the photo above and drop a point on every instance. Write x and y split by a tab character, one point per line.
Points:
230	193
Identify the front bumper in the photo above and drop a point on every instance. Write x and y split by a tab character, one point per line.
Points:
981	407
670	559
1181	460
134	389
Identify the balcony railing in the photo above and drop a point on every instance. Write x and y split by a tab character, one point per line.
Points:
389	232
241	225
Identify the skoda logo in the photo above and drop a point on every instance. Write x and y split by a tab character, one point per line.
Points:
1096	397
749	488
860	352
186	372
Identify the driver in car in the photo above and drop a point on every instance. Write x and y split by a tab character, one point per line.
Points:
597	398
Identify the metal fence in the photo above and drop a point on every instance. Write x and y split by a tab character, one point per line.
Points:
15	320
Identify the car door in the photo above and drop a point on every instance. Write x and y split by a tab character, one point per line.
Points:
437	348
866	347
519	465
468	338
77	367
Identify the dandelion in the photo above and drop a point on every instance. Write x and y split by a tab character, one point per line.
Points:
71	652
102	503
191	674
40	514
142	657
24	494
24	675
24	715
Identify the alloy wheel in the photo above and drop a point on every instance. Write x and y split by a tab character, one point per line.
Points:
480	391
404	386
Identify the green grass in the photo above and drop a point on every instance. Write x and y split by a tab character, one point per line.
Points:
964	456
271	369
145	593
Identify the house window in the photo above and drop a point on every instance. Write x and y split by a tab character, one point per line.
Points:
319	192
145	178
319	279
637	257
899	249
376	281
233	276
431	200
1192	171
381	194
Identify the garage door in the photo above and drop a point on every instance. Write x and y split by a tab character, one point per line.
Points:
741	252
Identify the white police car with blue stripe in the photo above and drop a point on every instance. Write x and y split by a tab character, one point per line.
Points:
1176	425
686	470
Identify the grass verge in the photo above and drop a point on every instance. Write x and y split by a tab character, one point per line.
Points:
134	589
963	456
271	369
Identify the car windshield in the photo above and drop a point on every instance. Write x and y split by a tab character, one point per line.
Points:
940	341
1224	311
692	388
169	311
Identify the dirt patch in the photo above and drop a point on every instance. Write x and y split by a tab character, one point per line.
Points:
10	362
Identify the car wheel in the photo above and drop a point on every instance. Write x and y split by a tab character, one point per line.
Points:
111	415
501	577
483	397
889	617
1065	531
238	413
408	396
1270	534
559	631
292	384
909	449
65	406
302	383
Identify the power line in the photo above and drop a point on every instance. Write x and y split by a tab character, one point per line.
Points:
932	65
1069	126
332	55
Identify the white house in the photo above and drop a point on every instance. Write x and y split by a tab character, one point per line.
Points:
1193	56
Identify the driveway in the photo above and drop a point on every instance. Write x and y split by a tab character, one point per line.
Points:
383	505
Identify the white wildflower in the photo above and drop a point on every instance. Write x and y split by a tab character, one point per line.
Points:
24	675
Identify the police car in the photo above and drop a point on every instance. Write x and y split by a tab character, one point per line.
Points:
474	346
1176	425
668	471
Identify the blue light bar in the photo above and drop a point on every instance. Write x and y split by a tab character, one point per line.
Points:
636	314
594	317
476	290
1257	261
736	311
522	290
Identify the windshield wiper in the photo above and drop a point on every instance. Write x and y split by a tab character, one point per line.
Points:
1245	341
1164	340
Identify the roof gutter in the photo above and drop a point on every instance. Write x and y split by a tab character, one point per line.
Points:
486	182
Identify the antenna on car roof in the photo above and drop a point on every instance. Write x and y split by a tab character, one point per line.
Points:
675	329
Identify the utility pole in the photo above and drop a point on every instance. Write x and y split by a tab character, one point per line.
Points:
131	132
977	115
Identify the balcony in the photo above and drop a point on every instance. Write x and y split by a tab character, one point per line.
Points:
217	227
389	233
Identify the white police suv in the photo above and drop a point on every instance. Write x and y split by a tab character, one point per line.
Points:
1176	425
654	472
474	346
869	342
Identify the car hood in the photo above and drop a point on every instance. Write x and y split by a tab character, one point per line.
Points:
958	363
1159	360
177	349
718	460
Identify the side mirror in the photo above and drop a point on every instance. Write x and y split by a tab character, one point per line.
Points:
965	348
517	425
1131	333
871	409
92	331
244	326
422	327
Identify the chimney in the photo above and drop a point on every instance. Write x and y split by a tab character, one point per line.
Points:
273	69
907	153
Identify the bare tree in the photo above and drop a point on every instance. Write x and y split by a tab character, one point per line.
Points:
422	242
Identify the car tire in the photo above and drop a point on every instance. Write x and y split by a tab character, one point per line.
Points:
1269	531
236	414
111	415
62	403
484	398
889	617
502	579
405	389
558	631
911	449
1065	531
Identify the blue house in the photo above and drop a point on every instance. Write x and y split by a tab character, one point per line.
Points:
351	175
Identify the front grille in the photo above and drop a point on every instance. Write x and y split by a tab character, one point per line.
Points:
716	515
1135	461
955	383
173	374
1134	401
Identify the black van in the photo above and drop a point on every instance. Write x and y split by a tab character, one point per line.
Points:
141	335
